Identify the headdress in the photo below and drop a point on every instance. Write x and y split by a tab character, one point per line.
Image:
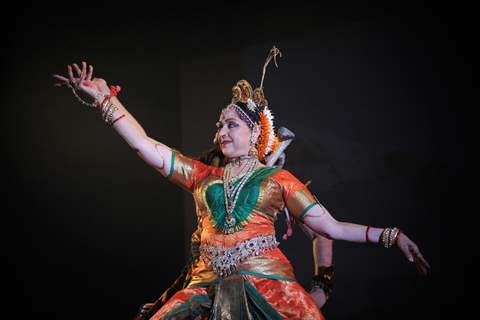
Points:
252	107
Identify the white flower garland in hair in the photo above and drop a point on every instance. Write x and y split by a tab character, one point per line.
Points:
271	135
251	105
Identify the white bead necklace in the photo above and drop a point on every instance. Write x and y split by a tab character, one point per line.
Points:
232	192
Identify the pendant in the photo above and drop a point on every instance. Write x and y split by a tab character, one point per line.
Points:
230	220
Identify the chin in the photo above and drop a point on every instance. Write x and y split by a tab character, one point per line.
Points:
229	153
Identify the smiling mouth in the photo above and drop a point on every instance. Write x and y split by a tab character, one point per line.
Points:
224	143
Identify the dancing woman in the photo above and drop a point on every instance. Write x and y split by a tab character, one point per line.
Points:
242	274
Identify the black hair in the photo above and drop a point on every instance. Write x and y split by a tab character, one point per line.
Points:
212	157
253	115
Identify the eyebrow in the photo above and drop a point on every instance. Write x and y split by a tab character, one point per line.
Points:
226	120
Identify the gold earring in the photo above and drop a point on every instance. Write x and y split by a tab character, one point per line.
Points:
253	152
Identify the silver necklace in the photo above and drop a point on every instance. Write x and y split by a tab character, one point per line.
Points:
232	191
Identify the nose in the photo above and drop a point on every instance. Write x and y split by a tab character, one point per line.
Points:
222	131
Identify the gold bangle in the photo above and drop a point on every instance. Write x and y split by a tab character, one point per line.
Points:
389	236
384	237
393	236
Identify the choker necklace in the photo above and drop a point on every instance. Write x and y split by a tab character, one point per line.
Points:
237	161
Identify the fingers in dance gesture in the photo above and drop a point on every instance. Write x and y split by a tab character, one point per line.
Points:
412	252
95	88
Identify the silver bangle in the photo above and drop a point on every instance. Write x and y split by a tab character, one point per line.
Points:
106	109
110	114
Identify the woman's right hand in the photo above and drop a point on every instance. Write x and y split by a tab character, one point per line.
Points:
95	88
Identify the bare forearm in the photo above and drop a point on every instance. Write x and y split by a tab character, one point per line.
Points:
151	151
321	221
322	251
323	274
127	126
322	247
356	232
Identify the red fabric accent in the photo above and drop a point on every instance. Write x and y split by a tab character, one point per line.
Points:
178	298
114	90
289	298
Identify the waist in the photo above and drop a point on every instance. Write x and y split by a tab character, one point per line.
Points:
225	260
271	265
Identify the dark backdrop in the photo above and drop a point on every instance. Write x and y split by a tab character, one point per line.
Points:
374	95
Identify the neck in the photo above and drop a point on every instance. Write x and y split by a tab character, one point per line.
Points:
238	161
243	168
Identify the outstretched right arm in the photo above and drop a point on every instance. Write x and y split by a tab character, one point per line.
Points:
151	151
154	153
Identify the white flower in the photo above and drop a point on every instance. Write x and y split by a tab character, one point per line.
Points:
271	135
251	105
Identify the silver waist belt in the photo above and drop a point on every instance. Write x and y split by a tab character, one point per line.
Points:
224	260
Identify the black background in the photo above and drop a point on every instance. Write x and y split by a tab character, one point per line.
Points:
378	98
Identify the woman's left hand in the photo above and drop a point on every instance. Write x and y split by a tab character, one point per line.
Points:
412	252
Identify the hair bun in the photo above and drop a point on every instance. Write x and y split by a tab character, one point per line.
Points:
259	98
242	91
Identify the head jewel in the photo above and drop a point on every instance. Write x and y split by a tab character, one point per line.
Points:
252	107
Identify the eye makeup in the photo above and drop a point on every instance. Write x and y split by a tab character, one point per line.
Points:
231	123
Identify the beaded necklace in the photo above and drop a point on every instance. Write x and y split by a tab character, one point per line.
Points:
232	190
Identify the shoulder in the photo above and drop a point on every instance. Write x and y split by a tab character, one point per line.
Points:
288	182
202	171
196	165
283	175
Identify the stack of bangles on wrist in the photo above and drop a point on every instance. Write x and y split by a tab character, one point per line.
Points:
108	108
323	279
389	237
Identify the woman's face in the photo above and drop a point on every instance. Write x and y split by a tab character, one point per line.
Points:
233	134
